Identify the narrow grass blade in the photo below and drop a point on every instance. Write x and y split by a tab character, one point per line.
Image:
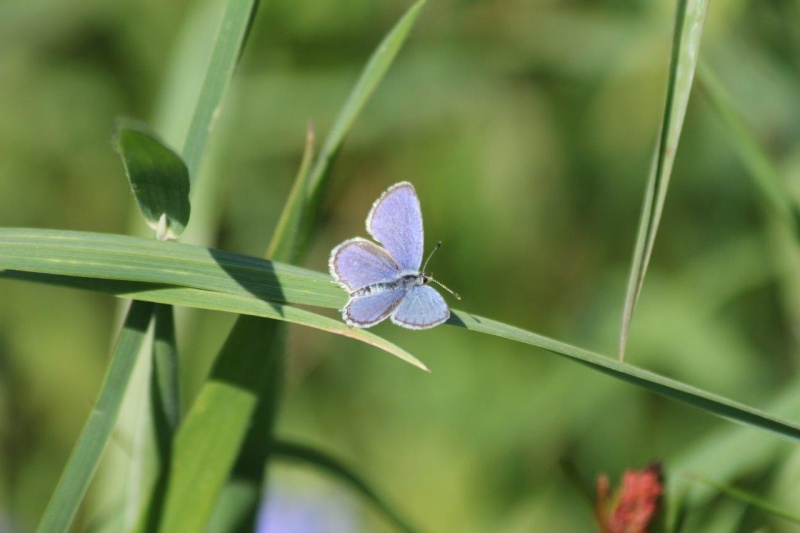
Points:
768	180
669	388
158	177
215	301
327	463
242	304
227	49
164	407
286	239
86	455
164	382
689	22
748	498
373	73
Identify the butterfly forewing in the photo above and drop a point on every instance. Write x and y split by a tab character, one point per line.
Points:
423	307
396	222
366	311
358	262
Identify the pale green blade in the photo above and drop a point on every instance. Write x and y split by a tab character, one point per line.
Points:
689	22
86	454
103	256
227	49
326	463
158	177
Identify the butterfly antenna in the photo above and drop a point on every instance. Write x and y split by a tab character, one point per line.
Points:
430	278
445	287
438	245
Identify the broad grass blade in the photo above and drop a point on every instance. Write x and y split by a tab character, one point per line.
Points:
86	454
689	22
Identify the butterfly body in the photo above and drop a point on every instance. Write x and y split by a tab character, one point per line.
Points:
404	282
388	281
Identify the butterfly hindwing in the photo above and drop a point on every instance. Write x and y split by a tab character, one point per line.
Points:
395	221
368	310
423	307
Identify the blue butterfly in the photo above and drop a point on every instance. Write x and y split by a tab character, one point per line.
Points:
387	281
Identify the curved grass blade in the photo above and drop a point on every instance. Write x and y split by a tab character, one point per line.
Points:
245	302
227	50
770	183
86	454
284	245
689	22
158	176
373	73
215	301
748	498
325	462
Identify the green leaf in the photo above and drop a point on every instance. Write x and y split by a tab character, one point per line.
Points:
227	50
689	22
86	454
773	187
325	462
158	177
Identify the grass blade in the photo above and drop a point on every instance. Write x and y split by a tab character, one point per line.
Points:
86	455
325	462
669	388
214	301
768	180
285	241
242	304
227	49
689	22
373	73
317	290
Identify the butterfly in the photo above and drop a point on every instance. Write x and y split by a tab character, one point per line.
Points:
384	281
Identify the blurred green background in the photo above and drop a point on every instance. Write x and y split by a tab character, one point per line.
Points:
527	128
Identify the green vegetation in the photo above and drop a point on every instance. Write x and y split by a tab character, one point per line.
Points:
531	132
